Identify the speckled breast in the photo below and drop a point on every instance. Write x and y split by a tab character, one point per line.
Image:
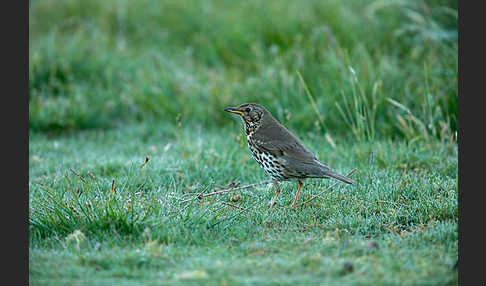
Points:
269	163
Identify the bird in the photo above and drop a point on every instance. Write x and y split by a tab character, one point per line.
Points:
278	151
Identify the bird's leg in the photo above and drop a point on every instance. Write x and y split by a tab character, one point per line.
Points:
297	195
277	192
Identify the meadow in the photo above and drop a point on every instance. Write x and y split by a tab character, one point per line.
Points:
127	134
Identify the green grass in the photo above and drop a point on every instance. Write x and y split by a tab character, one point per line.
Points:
397	225
370	85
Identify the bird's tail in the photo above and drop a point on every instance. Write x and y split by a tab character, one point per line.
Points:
316	169
342	178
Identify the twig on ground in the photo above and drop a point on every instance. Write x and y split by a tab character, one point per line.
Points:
231	189
234	216
231	205
330	187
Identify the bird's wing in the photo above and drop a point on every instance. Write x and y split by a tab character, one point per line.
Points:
278	141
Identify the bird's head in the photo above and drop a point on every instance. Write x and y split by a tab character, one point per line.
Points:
252	114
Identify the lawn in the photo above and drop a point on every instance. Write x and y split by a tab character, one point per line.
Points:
127	134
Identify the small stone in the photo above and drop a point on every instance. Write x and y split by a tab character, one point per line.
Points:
348	267
373	245
236	198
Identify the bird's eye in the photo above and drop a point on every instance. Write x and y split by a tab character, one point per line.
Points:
247	109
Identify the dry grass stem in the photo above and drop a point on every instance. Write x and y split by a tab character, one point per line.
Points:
231	205
224	191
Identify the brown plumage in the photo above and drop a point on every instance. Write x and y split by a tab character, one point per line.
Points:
279	152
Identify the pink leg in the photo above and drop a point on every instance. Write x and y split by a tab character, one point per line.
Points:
297	195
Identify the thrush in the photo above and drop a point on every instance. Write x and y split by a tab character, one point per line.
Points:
279	152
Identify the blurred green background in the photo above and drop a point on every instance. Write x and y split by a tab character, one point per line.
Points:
382	68
112	83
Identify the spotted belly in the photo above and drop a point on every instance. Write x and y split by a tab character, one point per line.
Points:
270	164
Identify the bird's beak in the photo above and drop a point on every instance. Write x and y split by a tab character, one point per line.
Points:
233	110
